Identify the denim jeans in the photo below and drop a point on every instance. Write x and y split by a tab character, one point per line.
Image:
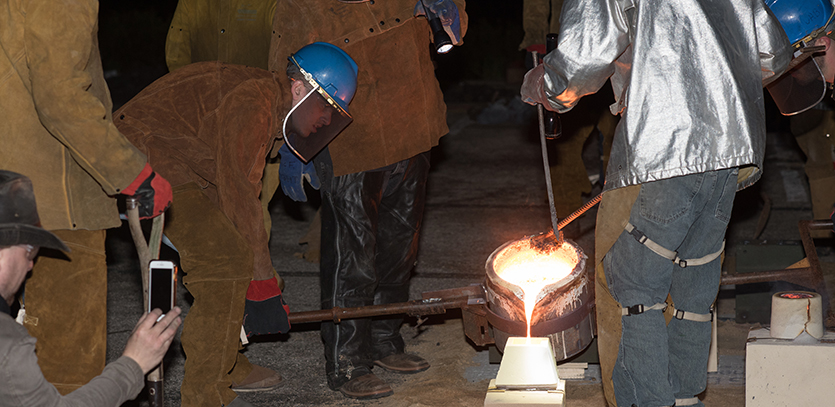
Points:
658	363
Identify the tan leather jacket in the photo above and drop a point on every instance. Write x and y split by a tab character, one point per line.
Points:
213	123
235	31
55	113
398	108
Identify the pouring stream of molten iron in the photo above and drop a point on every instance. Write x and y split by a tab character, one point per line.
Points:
532	270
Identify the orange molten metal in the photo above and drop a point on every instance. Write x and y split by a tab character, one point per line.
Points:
532	269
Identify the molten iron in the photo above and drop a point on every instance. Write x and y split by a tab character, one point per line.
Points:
555	286
533	268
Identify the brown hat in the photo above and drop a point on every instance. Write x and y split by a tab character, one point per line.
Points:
19	221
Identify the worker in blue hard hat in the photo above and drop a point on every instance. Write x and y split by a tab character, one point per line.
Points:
323	110
801	93
209	127
374	174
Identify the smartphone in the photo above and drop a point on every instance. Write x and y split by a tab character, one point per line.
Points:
162	283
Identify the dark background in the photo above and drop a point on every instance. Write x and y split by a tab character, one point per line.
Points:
132	43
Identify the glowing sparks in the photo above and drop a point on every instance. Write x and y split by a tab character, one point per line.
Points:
533	270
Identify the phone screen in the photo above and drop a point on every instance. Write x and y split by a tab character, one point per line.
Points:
161	289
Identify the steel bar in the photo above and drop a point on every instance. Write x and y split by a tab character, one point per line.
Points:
430	306
588	205
541	114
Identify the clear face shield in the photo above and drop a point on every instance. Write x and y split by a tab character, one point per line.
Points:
802	86
313	123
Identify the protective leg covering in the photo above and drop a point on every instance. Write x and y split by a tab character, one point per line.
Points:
659	363
613	212
370	227
217	263
60	294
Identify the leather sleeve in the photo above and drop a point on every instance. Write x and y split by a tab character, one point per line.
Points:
60	39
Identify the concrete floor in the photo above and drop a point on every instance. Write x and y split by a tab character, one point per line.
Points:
486	187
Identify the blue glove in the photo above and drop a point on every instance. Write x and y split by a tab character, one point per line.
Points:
447	12
292	172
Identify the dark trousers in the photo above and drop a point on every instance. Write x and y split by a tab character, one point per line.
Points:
370	228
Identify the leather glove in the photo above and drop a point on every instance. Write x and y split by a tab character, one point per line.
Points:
447	12
533	88
292	172
265	311
152	191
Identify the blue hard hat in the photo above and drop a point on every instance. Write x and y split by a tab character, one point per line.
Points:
331	68
802	20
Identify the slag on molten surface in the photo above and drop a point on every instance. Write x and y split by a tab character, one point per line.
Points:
533	269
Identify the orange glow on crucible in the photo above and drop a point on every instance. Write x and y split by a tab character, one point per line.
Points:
532	270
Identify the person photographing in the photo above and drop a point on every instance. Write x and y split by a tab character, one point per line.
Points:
21	237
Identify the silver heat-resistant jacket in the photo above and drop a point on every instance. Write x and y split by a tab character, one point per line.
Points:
688	85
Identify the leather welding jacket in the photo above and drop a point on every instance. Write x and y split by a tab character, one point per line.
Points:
55	114
214	124
398	109
213	30
690	98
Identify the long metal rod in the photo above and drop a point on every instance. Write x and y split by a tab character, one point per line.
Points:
540	112
416	307
588	205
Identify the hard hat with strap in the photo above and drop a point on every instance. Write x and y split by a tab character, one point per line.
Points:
316	119
803	85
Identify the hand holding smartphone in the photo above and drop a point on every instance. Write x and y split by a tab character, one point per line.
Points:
162	285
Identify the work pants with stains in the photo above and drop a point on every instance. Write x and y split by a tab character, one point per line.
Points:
815	133
66	310
370	227
660	364
217	263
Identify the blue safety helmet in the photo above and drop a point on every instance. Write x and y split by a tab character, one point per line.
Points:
803	85
322	113
802	20
331	68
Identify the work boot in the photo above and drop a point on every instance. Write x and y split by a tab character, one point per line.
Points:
260	379
367	386
403	363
